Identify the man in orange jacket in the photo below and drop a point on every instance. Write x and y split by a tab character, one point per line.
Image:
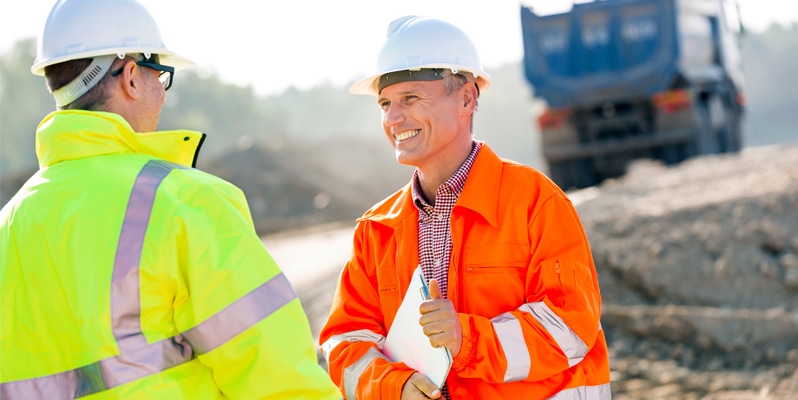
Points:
514	292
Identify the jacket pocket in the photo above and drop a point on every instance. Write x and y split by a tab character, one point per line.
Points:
389	292
494	278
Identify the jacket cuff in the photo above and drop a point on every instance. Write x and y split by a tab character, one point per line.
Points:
466	354
393	383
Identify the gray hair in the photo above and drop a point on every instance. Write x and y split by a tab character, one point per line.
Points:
454	82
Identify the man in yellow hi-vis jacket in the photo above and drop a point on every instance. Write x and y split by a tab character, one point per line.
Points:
125	273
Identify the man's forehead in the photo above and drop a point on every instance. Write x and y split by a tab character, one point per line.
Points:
409	87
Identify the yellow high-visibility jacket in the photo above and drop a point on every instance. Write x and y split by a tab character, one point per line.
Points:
126	273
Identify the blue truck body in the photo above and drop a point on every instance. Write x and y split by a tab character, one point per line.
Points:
629	79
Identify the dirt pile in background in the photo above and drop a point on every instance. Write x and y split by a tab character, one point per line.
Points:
292	185
698	267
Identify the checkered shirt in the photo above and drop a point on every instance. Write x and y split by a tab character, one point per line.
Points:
434	231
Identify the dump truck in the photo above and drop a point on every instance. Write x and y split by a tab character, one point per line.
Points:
621	80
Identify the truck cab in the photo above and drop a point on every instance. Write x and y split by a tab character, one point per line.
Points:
628	79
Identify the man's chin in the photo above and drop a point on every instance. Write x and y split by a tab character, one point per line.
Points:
404	159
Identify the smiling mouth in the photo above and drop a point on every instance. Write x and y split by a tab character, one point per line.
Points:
406	135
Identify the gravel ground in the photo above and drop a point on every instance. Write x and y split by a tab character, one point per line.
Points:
698	266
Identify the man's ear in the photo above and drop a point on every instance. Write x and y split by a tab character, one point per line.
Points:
470	95
129	80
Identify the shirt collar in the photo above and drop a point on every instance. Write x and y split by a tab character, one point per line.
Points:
456	182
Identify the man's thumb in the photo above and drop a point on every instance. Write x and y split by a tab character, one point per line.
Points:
434	290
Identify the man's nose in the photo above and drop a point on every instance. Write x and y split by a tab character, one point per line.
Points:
394	115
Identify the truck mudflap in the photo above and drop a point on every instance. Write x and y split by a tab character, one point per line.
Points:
617	146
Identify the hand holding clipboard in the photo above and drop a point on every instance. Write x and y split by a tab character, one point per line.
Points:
406	341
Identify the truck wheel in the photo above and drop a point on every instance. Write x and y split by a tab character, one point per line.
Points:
672	155
726	125
731	136
558	172
705	140
573	174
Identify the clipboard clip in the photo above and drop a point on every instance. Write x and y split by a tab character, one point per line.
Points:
424	292
424	289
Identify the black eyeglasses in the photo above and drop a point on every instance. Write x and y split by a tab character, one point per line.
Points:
166	72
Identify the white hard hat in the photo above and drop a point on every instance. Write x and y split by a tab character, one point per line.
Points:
78	29
414	43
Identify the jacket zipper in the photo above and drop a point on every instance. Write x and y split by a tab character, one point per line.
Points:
557	269
454	290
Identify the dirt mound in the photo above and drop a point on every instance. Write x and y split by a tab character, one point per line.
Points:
698	266
291	185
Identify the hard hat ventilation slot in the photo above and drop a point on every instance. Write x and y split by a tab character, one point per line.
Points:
92	74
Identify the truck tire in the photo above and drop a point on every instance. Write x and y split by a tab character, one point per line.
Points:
731	136
725	125
673	154
705	140
573	174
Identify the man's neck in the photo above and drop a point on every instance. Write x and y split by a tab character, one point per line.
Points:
432	177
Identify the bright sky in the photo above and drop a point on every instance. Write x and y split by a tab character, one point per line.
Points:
273	45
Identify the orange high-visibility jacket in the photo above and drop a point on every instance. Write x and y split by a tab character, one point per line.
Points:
521	277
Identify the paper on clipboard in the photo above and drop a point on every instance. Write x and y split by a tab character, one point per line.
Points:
406	341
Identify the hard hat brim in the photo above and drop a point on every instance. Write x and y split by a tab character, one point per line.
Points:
166	58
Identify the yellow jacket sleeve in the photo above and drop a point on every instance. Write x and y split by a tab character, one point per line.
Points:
231	301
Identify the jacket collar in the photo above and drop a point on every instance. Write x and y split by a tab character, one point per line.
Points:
73	134
480	194
481	191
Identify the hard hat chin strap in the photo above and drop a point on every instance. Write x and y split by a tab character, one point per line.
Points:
84	82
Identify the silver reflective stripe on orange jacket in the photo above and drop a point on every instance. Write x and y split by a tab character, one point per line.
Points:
352	372
137	358
508	330
599	392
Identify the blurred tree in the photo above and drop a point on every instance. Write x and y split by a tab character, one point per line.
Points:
24	101
327	111
770	64
230	115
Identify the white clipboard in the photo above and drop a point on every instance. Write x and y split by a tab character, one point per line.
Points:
406	341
